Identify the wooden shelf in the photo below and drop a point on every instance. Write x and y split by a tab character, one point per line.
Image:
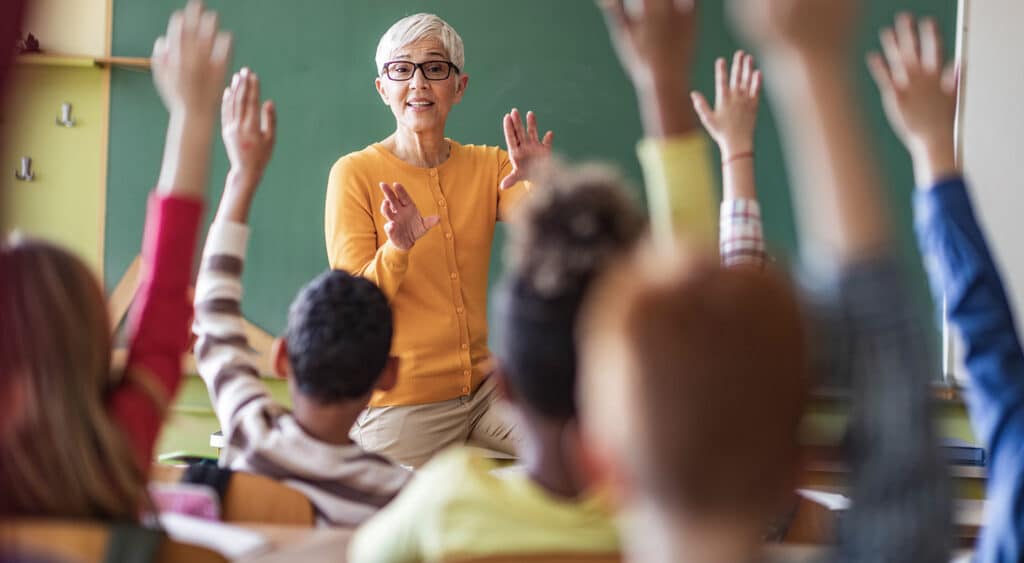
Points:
54	59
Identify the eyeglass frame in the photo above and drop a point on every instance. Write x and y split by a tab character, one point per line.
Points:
419	66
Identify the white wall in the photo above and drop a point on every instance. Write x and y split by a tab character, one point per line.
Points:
992	129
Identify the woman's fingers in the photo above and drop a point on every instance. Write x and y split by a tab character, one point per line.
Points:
403	196
531	127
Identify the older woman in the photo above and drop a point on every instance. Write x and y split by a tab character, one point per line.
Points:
416	213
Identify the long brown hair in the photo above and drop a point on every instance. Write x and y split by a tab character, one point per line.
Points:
61	454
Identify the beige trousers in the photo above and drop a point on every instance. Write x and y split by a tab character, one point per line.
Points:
412	434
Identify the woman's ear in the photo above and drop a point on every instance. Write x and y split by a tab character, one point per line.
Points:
460	87
279	358
379	84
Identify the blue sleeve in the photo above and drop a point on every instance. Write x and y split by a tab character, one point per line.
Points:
960	266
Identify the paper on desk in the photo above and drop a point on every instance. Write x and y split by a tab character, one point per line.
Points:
230	541
831	501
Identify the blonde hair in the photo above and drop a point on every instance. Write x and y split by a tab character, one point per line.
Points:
61	454
411	29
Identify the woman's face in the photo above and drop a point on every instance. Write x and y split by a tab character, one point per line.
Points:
422	105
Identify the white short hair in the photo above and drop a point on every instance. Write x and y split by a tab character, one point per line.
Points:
411	29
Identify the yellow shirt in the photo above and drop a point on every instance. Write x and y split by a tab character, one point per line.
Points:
456	507
438	289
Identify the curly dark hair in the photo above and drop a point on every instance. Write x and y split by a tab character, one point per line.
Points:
576	221
339	336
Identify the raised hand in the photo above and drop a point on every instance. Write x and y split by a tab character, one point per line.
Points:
405	224
189	62
249	132
919	93
737	96
248	129
655	39
810	27
525	147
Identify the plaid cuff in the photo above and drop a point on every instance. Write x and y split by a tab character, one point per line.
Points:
741	241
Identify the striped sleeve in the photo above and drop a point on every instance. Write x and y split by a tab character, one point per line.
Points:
224	358
741	239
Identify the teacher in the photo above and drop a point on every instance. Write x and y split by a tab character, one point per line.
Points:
415	213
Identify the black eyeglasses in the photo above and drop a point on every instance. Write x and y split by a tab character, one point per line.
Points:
401	71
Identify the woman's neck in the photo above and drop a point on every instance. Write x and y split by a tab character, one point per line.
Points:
428	149
546	459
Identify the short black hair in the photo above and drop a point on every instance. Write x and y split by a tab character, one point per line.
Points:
575	223
339	336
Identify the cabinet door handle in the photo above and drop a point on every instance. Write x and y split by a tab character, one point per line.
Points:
65	119
25	173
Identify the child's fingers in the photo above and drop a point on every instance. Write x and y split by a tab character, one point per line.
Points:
748	63
193	13
881	73
207	31
173	37
252	102
755	85
931	45
737	70
702	108
951	77
721	82
227	110
549	138
897	70
220	54
241	95
268	120
906	36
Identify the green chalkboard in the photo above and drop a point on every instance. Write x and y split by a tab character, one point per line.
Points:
315	58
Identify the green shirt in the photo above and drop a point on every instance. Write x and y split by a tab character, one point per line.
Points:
456	506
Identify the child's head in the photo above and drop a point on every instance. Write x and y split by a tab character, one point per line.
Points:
575	222
693	386
61	455
338	338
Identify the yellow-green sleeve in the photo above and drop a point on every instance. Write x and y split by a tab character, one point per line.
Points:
680	188
351	233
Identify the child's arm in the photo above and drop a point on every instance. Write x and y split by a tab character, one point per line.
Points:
656	44
919	94
897	476
188	68
731	124
225	361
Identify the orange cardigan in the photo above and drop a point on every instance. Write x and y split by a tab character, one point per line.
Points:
438	289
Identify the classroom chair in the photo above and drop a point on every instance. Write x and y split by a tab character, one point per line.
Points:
250	498
88	542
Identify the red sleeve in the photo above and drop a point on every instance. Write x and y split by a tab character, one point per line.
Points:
158	325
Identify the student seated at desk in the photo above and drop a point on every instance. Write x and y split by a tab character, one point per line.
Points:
80	438
334	353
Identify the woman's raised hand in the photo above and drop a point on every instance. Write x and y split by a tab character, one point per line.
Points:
405	224
525	148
